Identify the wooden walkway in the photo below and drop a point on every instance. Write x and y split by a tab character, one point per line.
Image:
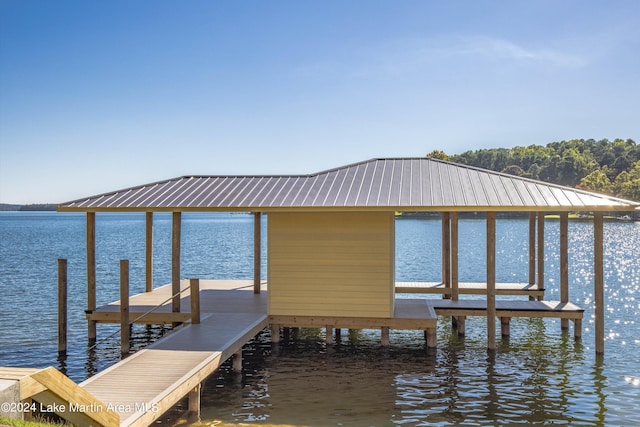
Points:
471	288
143	386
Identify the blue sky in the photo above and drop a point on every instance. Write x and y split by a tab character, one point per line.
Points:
97	96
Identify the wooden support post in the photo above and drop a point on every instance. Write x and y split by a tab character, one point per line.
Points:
384	336
124	306
540	250
329	335
564	264
577	329
149	252
237	361
175	261
460	324
532	251
194	285
62	307
504	326
598	282
430	335
338	332
194	401
491	280
275	334
91	273
257	244
446	251
454	256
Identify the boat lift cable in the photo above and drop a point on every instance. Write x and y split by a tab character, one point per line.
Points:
131	322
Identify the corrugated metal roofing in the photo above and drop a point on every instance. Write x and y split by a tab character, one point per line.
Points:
410	184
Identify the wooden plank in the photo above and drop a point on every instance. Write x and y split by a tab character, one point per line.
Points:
69	392
151	381
15	374
409	314
509	308
469	288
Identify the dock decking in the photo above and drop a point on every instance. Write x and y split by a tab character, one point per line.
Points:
214	297
145	385
139	389
471	288
506	309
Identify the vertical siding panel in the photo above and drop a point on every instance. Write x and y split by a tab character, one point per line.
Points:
331	264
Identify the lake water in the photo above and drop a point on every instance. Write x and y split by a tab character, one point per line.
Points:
537	376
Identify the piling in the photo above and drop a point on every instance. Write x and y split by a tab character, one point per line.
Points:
124	306
194	286
62	307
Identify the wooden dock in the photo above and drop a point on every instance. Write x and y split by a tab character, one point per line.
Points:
143	386
471	288
139	389
219	296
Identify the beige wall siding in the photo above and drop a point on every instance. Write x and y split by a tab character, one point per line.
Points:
331	264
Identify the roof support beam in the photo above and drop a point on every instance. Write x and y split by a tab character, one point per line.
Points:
257	245
149	252
446	250
540	250
532	248
491	281
454	256
175	261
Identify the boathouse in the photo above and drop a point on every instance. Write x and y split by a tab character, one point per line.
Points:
331	264
331	240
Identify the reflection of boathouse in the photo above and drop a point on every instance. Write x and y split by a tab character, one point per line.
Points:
331	264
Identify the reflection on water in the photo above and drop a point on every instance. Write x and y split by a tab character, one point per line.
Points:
303	382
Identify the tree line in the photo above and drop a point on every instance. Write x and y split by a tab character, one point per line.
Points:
609	167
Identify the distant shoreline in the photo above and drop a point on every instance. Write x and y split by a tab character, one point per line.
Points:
5	207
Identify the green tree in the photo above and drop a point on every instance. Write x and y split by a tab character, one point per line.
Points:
597	181
514	170
438	154
627	184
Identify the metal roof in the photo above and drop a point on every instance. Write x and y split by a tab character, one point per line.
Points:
401	184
